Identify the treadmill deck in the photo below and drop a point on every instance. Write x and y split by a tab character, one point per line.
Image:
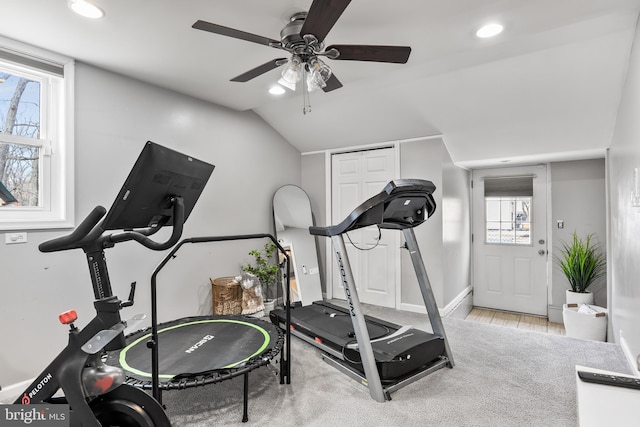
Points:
398	351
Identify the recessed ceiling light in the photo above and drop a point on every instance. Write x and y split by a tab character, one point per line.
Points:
489	30
86	9
276	90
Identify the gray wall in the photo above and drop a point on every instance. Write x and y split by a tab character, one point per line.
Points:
624	219
314	183
444	238
114	117
456	229
578	198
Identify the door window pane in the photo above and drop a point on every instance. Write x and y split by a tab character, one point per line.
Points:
508	220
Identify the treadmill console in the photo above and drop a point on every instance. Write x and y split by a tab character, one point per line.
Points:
403	203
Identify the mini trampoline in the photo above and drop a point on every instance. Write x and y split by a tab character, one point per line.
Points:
199	350
202	350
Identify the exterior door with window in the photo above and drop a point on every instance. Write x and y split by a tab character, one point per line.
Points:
373	253
510	239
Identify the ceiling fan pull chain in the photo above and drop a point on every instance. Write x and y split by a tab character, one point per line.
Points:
306	108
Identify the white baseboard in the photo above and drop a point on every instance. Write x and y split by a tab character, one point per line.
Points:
633	363
10	393
414	308
456	301
445	311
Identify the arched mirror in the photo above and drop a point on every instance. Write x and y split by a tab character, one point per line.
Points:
292	218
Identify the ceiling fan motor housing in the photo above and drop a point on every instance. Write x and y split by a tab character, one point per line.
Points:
293	41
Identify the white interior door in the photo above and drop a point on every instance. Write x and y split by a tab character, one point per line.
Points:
510	239
373	256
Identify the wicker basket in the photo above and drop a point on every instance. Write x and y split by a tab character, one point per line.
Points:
226	296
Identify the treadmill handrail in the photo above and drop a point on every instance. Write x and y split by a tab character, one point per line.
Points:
372	211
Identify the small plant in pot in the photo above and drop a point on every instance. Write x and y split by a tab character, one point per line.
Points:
582	263
265	268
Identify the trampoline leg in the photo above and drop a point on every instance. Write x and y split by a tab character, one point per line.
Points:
245	407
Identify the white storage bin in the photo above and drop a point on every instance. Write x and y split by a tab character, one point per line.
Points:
590	324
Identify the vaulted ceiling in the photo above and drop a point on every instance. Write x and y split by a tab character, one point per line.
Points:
547	88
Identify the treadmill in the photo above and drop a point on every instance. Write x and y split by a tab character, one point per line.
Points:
380	355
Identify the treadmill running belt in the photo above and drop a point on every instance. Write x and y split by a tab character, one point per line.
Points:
398	351
332	323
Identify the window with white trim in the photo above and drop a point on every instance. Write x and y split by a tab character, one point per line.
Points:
36	138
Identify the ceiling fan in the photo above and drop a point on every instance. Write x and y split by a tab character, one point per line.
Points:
303	37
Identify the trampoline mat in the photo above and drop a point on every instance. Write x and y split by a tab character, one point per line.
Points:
197	346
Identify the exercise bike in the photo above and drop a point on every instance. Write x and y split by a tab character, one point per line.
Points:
95	392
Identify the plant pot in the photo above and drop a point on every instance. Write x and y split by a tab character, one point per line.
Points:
268	306
592	326
579	297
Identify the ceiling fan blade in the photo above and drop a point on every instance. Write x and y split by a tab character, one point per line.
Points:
236	34
332	84
322	16
353	52
259	70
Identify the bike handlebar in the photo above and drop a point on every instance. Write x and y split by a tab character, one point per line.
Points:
69	241
141	236
88	235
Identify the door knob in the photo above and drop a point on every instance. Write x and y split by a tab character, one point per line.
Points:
542	252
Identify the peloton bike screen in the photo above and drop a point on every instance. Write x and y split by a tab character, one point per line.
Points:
158	174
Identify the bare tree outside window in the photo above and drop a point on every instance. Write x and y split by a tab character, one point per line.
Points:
20	117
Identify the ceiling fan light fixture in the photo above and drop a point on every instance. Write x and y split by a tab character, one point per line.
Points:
287	84
319	73
319	68
292	73
86	9
314	83
489	30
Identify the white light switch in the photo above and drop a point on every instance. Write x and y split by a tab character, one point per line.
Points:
12	238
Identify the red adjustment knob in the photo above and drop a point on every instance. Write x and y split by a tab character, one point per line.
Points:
68	317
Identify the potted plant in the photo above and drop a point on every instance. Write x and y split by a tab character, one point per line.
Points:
266	269
582	263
